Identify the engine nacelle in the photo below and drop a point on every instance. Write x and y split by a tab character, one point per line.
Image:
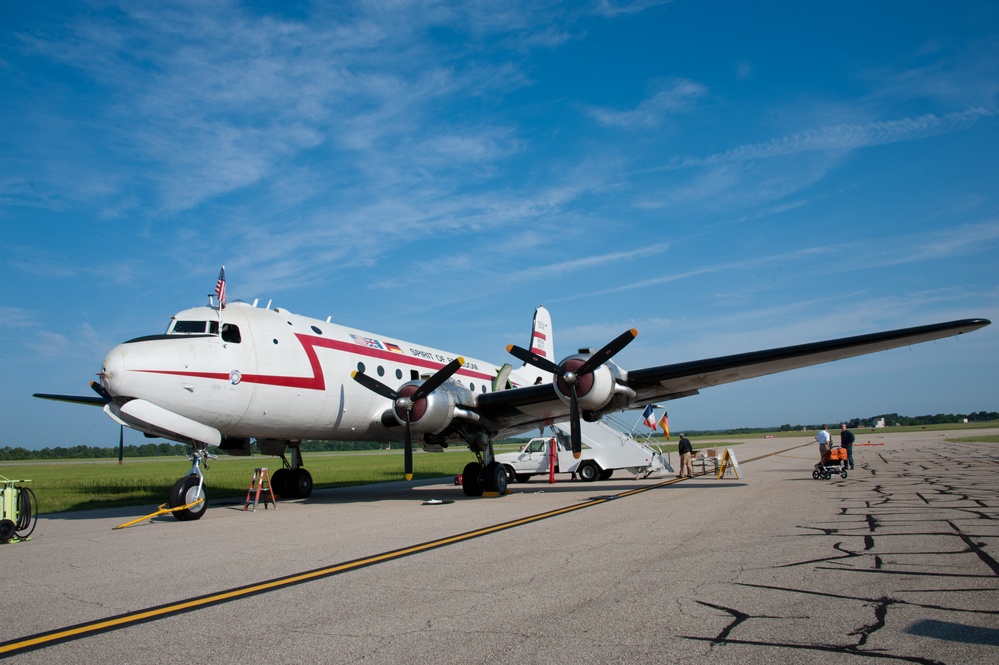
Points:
433	413
594	391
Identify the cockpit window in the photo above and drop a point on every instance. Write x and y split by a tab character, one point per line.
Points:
194	328
230	333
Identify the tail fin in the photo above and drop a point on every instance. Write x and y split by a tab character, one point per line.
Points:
541	343
541	334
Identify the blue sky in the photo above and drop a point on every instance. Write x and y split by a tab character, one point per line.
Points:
725	177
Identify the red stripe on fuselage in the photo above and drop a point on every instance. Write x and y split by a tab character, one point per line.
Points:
318	380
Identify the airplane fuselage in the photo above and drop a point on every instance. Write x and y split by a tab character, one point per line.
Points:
268	373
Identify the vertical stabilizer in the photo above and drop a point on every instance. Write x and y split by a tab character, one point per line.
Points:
541	334
540	344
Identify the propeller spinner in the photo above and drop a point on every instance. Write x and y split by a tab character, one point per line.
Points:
406	402
573	375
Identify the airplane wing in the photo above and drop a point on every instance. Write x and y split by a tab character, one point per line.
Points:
521	409
75	399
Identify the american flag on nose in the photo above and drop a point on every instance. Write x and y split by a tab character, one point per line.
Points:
220	288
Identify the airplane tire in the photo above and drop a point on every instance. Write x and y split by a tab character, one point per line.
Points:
185	491
280	482
588	471
496	480
471	479
300	483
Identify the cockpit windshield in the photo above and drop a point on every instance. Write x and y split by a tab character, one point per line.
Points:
230	332
179	327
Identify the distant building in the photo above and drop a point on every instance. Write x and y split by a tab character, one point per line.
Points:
880	422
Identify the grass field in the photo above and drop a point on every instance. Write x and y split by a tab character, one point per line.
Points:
85	484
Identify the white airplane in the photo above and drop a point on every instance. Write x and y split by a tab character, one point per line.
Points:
229	376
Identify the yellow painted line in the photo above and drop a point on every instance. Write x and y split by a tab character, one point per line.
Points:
41	640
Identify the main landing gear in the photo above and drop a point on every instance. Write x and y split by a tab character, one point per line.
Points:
485	475
293	481
477	479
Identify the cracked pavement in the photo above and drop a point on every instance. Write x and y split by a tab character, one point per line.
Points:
896	562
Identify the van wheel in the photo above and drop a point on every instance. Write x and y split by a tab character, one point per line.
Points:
606	474
588	471
522	477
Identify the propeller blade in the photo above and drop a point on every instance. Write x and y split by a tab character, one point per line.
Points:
533	359
100	390
574	434
427	387
439	377
408	452
121	443
374	385
608	352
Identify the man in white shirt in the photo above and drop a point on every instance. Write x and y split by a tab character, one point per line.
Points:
824	439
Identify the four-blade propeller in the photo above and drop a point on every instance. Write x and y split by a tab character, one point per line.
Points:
573	373
404	402
100	390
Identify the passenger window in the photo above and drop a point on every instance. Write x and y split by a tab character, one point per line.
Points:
230	333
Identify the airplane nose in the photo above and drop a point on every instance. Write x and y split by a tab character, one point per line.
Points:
112	371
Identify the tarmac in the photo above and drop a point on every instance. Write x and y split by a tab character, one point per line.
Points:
896	562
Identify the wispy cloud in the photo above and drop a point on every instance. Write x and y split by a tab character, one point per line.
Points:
845	137
667	99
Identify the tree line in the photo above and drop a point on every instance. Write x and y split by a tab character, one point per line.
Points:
895	420
7	453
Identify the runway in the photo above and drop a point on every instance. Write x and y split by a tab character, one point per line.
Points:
896	562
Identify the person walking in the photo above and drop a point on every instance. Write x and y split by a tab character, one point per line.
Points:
846	439
686	450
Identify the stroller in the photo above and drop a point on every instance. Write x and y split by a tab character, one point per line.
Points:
833	462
